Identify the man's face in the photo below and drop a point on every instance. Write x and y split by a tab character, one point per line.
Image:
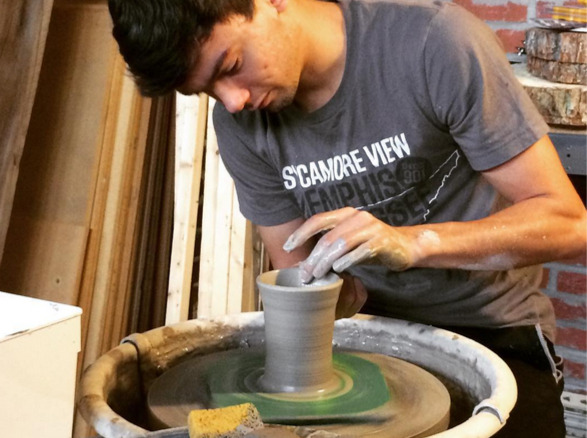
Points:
248	64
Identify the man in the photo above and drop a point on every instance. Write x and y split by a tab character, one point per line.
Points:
389	140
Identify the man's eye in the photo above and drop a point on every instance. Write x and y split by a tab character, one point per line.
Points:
234	68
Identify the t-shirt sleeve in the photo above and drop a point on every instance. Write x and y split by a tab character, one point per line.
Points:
262	196
474	91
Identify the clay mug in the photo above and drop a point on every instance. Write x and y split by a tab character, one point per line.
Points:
299	324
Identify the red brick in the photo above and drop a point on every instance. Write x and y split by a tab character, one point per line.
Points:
545	278
571	337
511	39
543	9
574	369
568	311
572	282
509	12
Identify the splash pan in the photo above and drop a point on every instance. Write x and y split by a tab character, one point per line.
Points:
114	390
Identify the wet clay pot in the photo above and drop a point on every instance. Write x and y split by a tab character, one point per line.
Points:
299	323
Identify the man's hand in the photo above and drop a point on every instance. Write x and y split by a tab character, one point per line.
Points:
352	297
354	237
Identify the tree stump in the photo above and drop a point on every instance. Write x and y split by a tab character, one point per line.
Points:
559	104
556	55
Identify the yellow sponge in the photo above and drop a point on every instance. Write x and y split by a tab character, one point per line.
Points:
229	422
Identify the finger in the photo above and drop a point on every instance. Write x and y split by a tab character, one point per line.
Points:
321	258
353	298
358	255
357	236
360	298
329	249
324	262
346	297
347	235
316	224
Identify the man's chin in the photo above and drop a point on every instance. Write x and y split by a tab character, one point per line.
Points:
279	104
275	108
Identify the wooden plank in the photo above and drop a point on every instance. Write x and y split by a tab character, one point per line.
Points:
97	209
56	191
106	294
58	169
163	243
74	218
249	296
229	253
98	328
191	121
23	32
206	279
152	246
259	262
130	234
237	254
53	279
121	213
106	288
223	236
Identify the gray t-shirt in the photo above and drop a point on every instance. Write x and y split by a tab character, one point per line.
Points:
427	100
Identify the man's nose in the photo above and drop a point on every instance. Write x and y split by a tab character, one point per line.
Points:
233	96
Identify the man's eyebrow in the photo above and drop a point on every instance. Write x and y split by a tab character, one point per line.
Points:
216	70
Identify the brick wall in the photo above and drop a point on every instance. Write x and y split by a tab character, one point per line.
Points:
510	18
566	285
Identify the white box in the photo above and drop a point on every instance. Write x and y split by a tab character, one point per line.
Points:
39	343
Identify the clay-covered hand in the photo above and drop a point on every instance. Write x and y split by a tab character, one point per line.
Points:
353	237
352	297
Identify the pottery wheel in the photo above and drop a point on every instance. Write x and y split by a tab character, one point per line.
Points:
374	395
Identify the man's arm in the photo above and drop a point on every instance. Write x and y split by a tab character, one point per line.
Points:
547	221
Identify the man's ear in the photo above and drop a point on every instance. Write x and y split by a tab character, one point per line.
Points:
279	5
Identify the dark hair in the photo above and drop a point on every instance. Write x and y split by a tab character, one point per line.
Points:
159	39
